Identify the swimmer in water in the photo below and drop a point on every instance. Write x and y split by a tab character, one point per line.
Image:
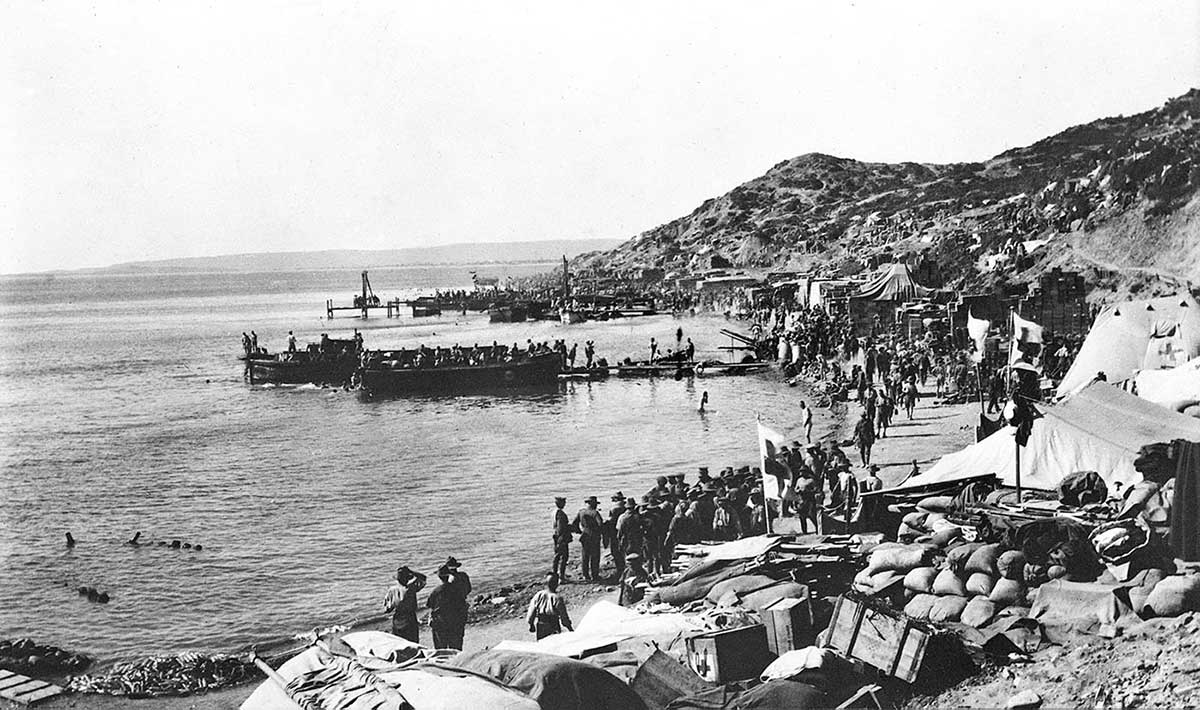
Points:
70	541
134	540
703	401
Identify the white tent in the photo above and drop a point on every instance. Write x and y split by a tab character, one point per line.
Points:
1101	428
1137	335
1177	388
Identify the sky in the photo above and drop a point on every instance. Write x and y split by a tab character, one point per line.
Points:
146	130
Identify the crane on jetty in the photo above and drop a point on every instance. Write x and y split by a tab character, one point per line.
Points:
363	302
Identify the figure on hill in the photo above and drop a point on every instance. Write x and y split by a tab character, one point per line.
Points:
547	613
562	538
401	601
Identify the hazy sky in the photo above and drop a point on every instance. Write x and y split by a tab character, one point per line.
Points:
134	130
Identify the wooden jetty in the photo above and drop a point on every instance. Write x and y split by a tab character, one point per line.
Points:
367	301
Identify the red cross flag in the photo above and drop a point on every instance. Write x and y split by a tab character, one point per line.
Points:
775	473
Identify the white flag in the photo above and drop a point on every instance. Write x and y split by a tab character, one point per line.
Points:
775	473
1024	332
977	328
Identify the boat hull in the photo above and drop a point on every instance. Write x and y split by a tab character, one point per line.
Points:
284	372
508	314
541	371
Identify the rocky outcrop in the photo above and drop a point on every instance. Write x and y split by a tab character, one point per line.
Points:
1130	181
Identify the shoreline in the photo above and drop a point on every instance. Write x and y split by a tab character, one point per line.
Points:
486	617
492	621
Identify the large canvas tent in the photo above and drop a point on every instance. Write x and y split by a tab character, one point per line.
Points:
1137	335
1177	388
1101	428
895	284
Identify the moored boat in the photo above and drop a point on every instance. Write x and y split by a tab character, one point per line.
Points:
508	313
397	377
330	362
425	306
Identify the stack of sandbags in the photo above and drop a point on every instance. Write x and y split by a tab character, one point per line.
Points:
973	583
1172	595
928	522
890	561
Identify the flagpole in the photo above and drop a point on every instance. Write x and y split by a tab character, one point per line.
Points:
979	385
1017	448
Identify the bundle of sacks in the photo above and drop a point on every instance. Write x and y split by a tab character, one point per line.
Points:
946	578
972	582
928	522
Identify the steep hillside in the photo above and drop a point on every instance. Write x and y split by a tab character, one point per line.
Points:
1117	197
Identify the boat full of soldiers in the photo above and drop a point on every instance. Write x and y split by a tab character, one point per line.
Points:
346	363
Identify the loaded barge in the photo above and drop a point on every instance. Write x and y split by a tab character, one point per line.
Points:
388	374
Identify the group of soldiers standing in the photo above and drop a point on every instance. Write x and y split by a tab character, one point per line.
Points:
641	536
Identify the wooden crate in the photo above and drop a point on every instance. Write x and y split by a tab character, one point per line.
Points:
788	623
726	656
893	644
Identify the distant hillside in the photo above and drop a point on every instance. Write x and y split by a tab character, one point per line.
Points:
500	252
1117	198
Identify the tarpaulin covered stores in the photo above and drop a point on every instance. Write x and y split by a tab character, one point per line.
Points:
1100	428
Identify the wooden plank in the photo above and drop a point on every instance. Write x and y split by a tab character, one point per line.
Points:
13	682
39	695
26	686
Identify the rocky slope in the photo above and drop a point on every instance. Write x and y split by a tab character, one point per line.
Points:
1118	198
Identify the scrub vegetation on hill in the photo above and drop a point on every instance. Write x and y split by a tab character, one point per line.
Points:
1117	198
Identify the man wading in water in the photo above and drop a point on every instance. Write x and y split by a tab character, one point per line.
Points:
401	600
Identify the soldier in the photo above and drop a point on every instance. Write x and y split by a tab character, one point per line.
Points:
562	538
629	531
447	611
633	581
590	525
547	613
401	600
610	530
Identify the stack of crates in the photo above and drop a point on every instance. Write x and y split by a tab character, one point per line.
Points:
1059	304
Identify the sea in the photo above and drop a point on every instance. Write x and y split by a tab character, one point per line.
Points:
123	408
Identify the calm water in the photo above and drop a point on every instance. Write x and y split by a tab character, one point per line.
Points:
124	409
